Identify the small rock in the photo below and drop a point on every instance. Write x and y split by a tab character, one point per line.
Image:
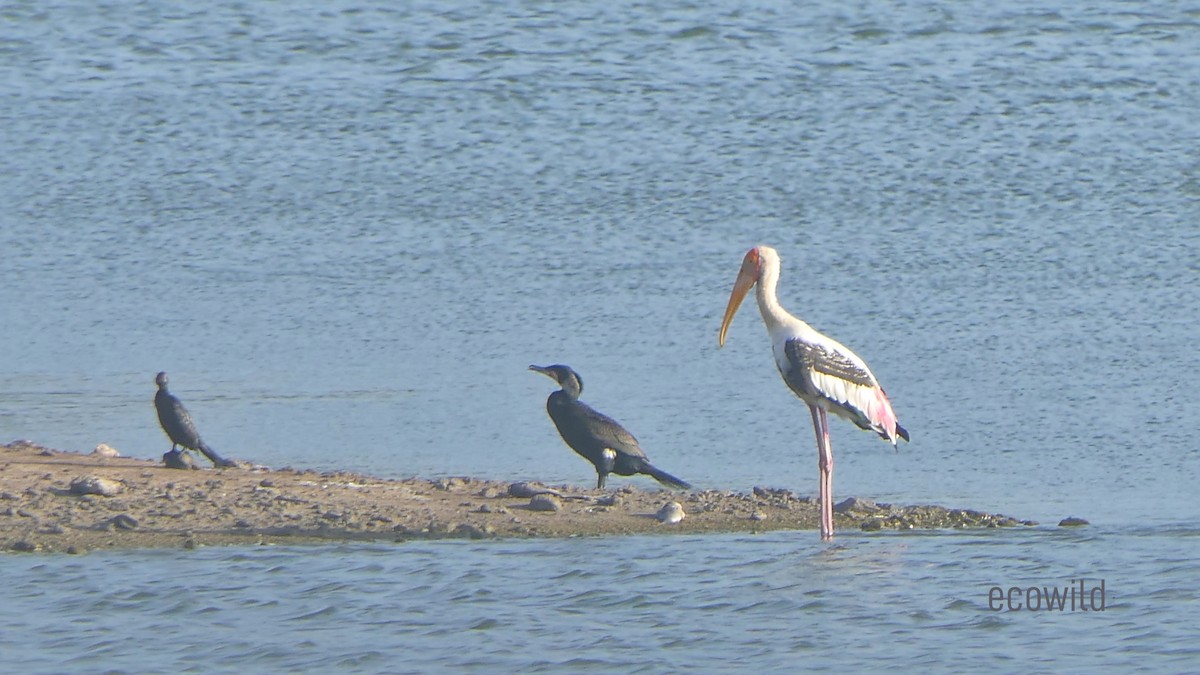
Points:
610	500
179	459
758	515
105	450
472	531
53	528
490	492
545	502
528	489
855	504
74	550
872	525
7	496
242	524
1072	521
266	482
94	485
670	513
776	494
24	547
124	522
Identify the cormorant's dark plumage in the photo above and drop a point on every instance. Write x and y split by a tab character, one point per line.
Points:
178	424
597	437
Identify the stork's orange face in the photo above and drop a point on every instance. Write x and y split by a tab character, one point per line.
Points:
746	278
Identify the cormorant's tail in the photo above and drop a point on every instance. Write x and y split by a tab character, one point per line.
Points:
664	477
213	457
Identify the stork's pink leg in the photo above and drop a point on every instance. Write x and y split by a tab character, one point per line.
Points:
827	475
825	464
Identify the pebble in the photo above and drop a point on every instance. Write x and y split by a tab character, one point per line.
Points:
610	500
670	513
94	485
529	489
124	522
449	483
545	502
106	450
772	493
855	504
178	459
473	531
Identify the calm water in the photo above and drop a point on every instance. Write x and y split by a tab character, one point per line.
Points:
345	231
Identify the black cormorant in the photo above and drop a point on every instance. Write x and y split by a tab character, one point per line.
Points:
178	424
595	436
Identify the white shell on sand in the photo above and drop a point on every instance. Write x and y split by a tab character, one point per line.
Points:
670	513
94	485
106	450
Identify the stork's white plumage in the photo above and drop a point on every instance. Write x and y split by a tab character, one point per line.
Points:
823	372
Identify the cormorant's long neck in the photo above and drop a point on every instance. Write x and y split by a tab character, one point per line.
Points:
571	387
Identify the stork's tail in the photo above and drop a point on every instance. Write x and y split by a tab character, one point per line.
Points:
213	457
664	477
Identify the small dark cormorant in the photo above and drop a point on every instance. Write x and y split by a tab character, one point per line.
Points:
178	424
597	437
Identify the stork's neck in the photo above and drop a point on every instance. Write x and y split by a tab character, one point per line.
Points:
774	315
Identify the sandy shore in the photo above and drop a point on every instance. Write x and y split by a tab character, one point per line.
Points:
70	502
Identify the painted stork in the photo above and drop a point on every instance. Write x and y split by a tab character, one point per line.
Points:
824	373
597	437
178	425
